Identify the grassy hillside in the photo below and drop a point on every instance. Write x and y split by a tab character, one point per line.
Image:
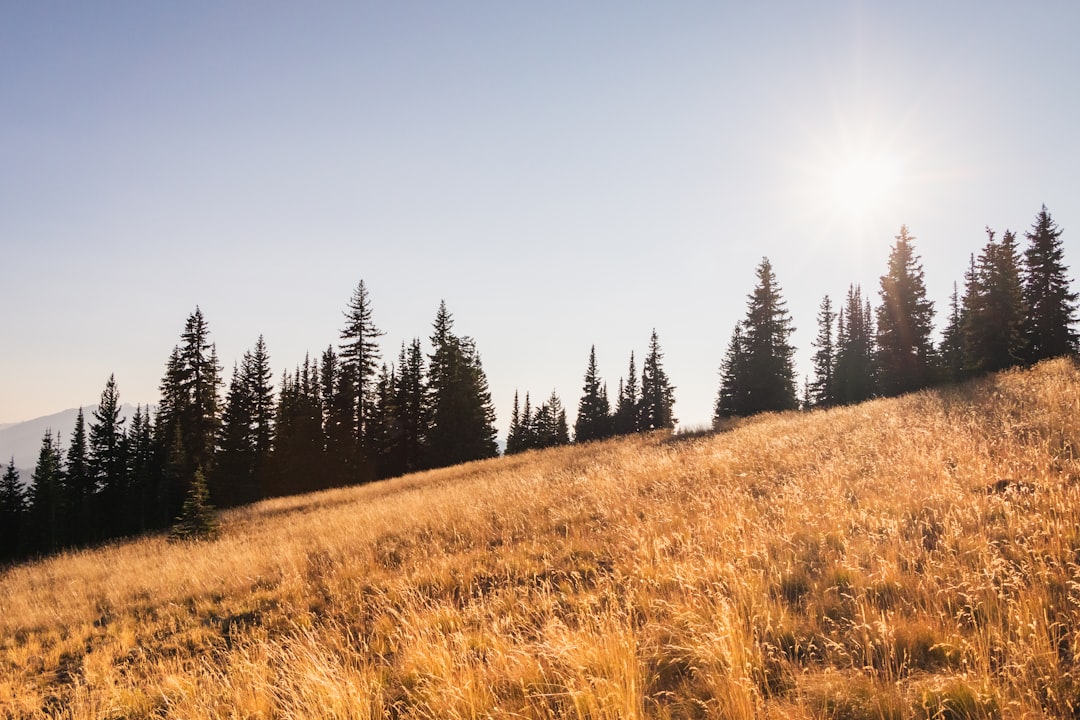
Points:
904	558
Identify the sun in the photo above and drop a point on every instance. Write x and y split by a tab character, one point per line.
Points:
862	184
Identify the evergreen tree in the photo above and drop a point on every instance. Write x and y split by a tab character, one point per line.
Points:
548	425
46	516
952	342
410	404
626	410
12	513
339	420
731	400
905	355
246	432
993	308
142	485
259	379
197	519
594	410
462	426
108	462
1051	305
233	481
188	418
79	487
514	442
854	375
298	438
767	375
657	393
821	392
386	432
360	360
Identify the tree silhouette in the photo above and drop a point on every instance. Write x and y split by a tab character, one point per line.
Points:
821	392
657	393
761	375
1051	306
993	313
905	354
594	409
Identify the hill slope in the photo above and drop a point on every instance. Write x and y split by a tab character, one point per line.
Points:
904	558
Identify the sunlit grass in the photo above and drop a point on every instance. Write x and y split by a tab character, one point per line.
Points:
863	562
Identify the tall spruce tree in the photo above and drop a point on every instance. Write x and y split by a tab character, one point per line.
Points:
768	382
186	428
246	432
360	360
657	393
905	353
298	455
731	400
12	513
994	308
46	515
625	420
594	410
79	487
952	342
108	462
821	391
854	375
462	425
514	442
1051	305
410	406
232	481
142	485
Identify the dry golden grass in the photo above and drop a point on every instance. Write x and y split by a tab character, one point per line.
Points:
856	563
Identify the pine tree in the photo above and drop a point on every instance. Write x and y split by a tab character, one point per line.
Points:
385	430
79	487
821	392
657	393
259	379
187	424
1051	305
142	486
625	421
594	409
197	519
410	404
46	516
731	400
108	462
905	353
854	375
246	432
993	308
360	361
298	455
952	342
462	420
12	513
513	433
767	375
232	481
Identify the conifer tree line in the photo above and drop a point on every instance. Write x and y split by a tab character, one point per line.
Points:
1015	308
343	418
348	415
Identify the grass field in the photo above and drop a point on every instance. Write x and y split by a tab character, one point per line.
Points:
915	557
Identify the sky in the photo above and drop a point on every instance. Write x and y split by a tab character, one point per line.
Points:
562	174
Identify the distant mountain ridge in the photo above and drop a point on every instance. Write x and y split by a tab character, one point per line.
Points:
23	440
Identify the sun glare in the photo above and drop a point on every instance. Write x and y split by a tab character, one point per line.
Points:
863	184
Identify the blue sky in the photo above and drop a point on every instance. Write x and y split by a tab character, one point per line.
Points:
561	175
